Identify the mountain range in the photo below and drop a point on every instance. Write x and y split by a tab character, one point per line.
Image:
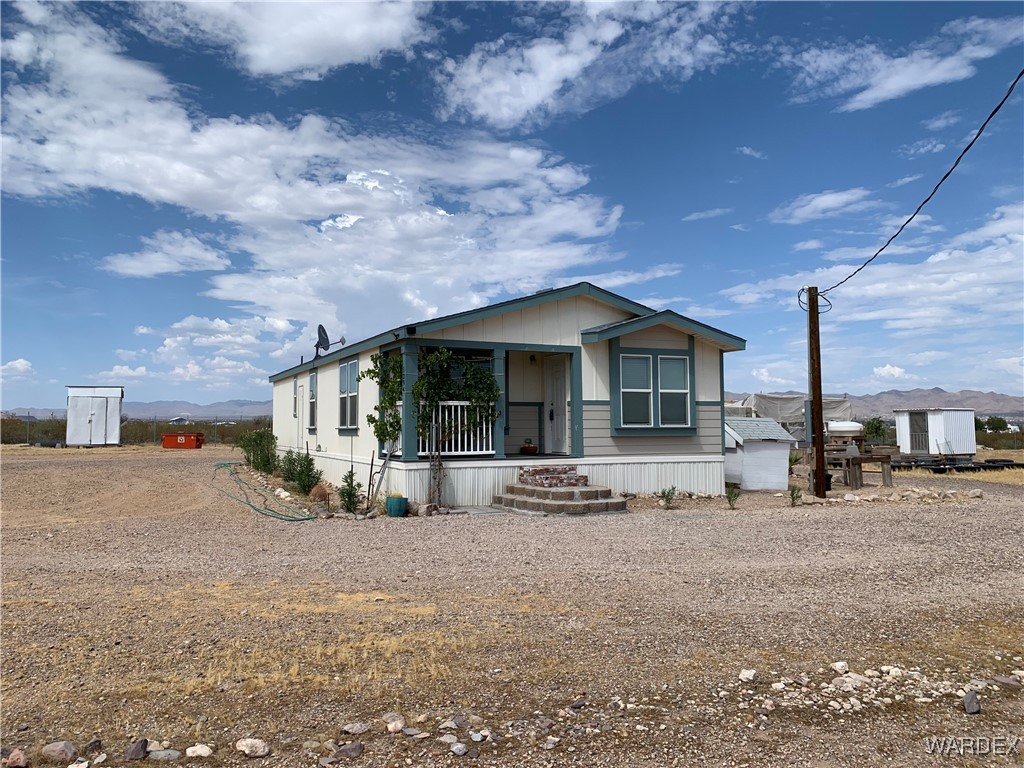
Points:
864	406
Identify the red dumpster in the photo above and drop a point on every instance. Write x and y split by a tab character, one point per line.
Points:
183	440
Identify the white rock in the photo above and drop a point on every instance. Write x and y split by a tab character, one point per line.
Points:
778	686
253	747
895	672
835	704
199	750
851	497
747	675
99	758
841	667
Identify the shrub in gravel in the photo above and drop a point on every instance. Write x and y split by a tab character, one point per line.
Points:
732	494
259	446
350	492
306	473
289	466
795	494
667	495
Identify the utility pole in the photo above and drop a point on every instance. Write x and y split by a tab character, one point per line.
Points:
814	384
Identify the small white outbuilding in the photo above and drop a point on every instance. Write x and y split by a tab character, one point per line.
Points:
757	453
936	431
94	415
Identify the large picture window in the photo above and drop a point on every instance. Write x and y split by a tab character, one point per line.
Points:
312	399
348	395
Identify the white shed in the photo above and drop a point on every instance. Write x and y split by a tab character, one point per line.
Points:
94	415
936	431
757	453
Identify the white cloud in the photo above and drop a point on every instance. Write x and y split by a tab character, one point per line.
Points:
763	374
591	54
922	147
809	245
972	284
821	205
297	40
167	253
739	227
889	371
19	369
927	357
121	372
709	214
323	218
904	180
751	152
867	76
944	120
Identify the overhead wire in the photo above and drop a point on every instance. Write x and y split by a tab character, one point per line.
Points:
970	144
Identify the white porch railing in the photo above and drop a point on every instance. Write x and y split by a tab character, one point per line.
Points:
453	432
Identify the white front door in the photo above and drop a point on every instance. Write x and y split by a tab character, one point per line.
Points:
554	405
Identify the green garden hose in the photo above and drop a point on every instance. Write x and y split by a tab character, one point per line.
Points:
290	514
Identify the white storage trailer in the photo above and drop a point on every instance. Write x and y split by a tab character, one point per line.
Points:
936	431
94	415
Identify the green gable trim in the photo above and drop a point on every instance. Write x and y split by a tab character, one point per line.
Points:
665	317
410	331
597	402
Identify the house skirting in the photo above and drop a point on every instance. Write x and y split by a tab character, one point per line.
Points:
474	482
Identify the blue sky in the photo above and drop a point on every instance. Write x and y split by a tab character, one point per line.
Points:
189	189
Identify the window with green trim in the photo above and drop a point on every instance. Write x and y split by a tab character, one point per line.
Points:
673	391
312	399
635	378
654	391
348	395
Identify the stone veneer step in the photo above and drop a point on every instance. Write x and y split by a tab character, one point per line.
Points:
554	501
552	476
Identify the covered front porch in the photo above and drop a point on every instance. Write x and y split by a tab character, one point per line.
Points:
539	408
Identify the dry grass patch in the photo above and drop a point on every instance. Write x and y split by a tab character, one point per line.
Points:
1002	476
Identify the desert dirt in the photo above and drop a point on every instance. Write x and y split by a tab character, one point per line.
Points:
142	599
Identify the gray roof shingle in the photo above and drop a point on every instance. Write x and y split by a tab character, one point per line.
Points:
758	429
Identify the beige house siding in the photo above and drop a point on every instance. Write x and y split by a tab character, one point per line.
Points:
558	322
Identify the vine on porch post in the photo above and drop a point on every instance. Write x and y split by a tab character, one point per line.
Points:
440	380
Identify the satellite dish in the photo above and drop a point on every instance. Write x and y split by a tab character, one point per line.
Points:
323	341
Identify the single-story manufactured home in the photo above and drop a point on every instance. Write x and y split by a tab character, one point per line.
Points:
631	396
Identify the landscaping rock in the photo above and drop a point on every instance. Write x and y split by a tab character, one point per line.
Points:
971	704
253	747
136	750
62	751
199	750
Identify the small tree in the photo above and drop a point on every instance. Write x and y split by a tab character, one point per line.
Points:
996	424
386	370
349	492
979	425
876	430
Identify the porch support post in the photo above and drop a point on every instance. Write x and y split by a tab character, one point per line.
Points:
498	429
576	402
410	373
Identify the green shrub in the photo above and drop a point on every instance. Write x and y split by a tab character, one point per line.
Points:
667	495
732	494
259	447
795	494
350	492
289	466
306	473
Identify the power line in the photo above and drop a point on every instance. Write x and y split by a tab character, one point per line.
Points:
930	196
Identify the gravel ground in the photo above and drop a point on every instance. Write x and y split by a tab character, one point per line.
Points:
140	600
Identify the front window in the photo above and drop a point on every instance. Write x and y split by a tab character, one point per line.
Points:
348	395
636	390
312	399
